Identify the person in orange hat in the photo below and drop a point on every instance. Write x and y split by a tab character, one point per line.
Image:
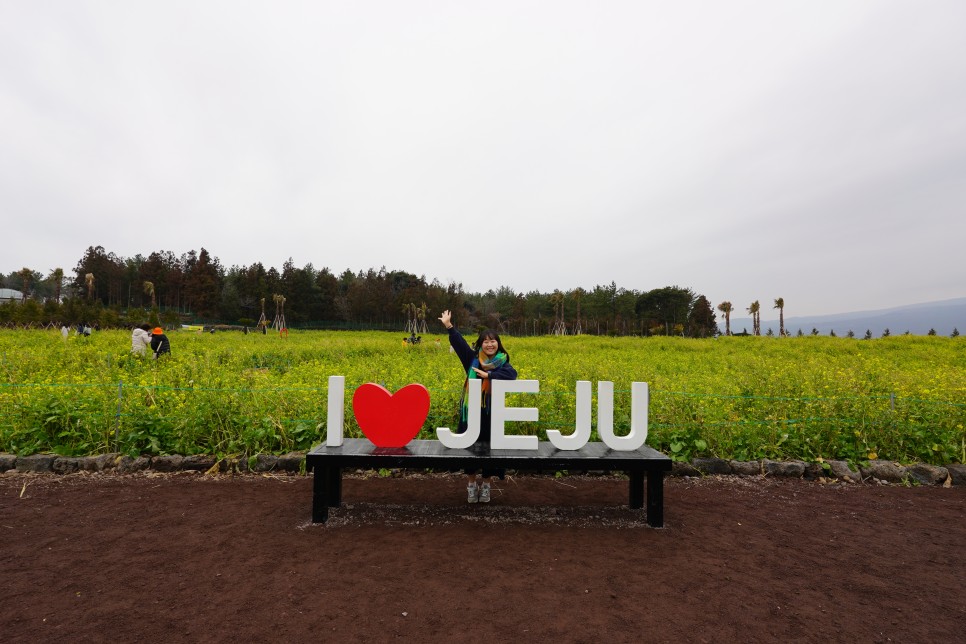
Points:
159	342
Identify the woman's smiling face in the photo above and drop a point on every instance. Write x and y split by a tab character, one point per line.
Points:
490	346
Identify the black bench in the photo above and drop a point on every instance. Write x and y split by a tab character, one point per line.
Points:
328	462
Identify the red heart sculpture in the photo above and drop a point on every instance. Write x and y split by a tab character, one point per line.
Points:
387	419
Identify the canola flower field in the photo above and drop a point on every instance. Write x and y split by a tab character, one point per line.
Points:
901	398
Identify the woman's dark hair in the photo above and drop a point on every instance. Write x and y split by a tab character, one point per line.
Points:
145	327
490	334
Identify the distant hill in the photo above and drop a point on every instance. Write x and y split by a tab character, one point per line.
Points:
943	316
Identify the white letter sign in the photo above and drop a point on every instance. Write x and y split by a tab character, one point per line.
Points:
501	414
605	417
581	422
335	421
467	438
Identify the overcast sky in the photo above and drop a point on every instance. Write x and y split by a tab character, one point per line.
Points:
814	151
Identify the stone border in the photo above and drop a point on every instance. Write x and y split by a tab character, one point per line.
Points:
878	471
292	463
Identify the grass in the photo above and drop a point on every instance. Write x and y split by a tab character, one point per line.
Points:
900	398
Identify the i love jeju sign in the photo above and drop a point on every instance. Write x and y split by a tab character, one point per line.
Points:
393	419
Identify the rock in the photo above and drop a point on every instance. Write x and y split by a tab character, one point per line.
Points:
198	462
711	465
128	465
680	468
97	463
65	465
957	471
794	469
172	463
265	463
86	464
884	471
35	463
104	462
8	462
746	468
927	474
291	462
841	470
814	471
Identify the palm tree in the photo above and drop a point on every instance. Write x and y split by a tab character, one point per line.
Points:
780	305
25	274
754	310
726	308
58	278
577	294
559	326
149	290
408	313
422	312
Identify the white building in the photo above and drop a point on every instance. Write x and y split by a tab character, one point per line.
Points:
10	295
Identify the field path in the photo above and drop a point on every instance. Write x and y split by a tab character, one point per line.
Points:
202	559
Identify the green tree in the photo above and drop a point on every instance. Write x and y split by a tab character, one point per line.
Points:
701	320
201	284
666	306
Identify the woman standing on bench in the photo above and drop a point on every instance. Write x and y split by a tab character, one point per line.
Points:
486	360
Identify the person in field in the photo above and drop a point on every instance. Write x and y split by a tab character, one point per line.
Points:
140	339
488	361
159	342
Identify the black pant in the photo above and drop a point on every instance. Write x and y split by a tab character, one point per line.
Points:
482	445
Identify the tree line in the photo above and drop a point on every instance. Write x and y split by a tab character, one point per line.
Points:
109	291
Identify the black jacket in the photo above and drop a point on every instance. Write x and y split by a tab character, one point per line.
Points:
160	344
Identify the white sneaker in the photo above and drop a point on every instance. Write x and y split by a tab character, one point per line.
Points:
471	493
485	493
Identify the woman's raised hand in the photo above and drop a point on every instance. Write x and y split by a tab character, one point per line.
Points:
446	318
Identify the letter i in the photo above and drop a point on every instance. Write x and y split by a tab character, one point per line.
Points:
335	421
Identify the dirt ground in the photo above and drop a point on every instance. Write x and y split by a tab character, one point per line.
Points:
185	557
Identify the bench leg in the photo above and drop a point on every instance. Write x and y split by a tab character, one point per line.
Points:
320	505
334	486
636	500
655	499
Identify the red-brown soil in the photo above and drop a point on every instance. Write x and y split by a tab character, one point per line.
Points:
191	558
